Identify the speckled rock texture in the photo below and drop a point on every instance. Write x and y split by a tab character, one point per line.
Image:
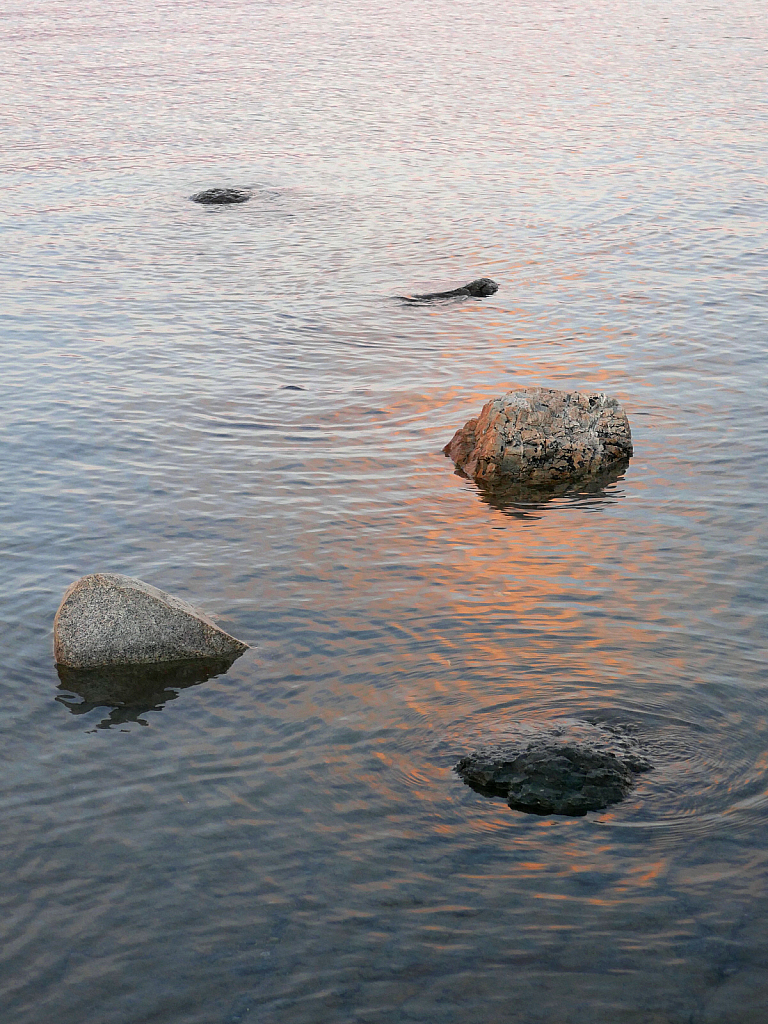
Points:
541	438
221	196
109	619
553	774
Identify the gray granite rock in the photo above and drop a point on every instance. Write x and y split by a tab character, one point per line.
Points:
560	771
541	438
109	619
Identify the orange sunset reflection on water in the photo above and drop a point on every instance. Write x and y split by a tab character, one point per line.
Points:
439	620
234	404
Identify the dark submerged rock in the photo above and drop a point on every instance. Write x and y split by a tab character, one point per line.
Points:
478	289
551	774
221	196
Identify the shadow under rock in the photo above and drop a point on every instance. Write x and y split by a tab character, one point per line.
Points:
132	690
523	501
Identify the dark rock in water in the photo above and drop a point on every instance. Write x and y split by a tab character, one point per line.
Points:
478	289
541	438
221	196
567	781
551	774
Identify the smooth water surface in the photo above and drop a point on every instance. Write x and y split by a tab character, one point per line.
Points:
230	403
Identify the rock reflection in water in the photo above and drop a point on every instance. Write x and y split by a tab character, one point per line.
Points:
518	499
132	690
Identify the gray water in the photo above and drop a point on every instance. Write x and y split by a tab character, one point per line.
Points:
287	843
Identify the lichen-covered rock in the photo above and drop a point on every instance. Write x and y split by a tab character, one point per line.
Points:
221	196
552	774
540	437
110	619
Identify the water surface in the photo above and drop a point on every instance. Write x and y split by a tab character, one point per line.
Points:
230	404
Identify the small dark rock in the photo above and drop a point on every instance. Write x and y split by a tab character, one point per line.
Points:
544	776
221	196
478	289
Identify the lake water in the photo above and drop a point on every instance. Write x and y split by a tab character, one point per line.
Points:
287	843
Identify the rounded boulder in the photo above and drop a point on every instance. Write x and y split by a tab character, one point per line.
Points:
541	437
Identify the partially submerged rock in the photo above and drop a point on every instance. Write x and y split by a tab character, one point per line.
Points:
478	289
558	771
110	619
221	196
540	438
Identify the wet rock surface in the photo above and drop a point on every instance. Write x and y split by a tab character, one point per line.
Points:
540	438
567	770
110	619
478	289
221	196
